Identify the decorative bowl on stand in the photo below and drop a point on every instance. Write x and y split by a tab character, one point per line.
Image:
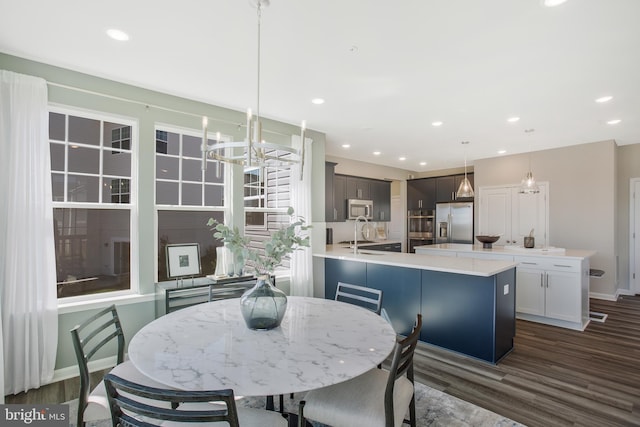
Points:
487	241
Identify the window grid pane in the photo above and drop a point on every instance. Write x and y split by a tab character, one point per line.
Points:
92	244
178	161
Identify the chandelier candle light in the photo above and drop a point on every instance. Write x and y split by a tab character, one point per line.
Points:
256	151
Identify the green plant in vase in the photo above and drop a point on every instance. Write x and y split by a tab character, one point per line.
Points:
264	305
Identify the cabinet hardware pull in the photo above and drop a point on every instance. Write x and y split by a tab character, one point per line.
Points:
546	276
561	265
335	214
541	281
529	263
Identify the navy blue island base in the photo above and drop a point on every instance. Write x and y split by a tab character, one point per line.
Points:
469	314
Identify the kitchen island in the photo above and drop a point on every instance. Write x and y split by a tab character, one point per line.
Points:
552	283
467	305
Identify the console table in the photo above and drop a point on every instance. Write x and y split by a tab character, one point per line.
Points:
174	295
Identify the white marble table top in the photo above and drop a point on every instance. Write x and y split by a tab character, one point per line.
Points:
208	346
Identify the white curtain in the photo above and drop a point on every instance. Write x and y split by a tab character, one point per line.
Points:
27	254
302	260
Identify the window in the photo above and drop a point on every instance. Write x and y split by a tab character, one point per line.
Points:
91	171
266	200
186	196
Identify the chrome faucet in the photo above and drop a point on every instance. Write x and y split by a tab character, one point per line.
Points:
355	233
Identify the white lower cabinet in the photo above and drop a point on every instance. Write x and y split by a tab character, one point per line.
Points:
554	289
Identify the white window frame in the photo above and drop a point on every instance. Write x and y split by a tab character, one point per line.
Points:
227	186
132	206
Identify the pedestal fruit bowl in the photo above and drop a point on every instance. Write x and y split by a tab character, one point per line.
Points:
487	240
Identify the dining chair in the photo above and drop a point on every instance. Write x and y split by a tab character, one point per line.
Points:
377	398
88	337
134	404
368	298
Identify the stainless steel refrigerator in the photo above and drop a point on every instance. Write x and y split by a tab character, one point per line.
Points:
454	222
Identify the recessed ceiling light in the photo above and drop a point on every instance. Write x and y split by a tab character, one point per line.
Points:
438	123
614	122
346	145
376	153
553	3
317	101
402	159
423	163
116	34
513	119
502	151
604	99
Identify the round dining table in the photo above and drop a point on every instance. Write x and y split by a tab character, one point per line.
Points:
209	347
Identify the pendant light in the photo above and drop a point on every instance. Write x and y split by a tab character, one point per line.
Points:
465	189
256	152
528	184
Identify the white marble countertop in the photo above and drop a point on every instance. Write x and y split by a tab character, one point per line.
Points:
470	266
208	346
369	243
513	251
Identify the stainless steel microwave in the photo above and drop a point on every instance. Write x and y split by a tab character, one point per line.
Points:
357	207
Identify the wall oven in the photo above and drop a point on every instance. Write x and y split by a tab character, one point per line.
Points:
420	227
358	207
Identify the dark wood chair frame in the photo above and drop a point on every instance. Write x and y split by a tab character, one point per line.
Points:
124	404
401	364
86	346
360	295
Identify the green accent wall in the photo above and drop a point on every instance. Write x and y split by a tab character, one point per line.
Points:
146	112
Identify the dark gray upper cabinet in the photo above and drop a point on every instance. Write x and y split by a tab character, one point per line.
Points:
445	191
421	194
358	188
381	196
447	186
340	197
340	188
329	193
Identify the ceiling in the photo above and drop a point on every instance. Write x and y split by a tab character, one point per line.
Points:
387	70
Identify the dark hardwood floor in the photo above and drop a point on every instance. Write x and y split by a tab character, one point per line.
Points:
554	376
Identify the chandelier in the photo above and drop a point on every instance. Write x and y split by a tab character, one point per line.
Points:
253	151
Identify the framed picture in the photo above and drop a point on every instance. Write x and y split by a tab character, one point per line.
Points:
183	260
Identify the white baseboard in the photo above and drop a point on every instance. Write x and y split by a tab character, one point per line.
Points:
606	297
625	292
609	297
72	371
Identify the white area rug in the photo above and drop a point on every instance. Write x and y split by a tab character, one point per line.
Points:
433	408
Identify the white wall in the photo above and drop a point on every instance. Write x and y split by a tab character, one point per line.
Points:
222	119
628	158
582	199
367	170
